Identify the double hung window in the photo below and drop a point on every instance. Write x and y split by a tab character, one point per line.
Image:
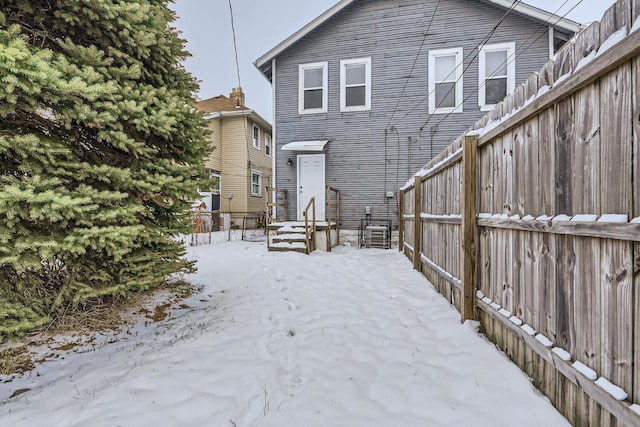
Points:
267	144
497	71
445	81
214	183
256	137
256	183
355	84
312	82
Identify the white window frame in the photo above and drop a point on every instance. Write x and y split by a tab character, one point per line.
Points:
255	136
457	78
267	144
259	175
216	175
212	173
343	84
482	77
325	87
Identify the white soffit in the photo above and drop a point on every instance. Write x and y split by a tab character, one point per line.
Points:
305	146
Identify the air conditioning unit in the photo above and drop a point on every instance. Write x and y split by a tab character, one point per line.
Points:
377	236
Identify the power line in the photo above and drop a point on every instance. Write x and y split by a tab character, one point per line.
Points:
510	59
484	41
244	121
235	44
415	61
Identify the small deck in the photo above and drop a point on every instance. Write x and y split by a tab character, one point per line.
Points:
292	236
302	236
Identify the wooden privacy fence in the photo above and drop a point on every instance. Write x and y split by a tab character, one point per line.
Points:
530	223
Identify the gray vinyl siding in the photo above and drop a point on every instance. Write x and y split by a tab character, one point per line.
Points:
360	161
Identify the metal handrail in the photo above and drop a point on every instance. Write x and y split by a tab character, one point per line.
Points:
312	204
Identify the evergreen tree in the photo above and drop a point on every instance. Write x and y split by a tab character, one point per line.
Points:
100	147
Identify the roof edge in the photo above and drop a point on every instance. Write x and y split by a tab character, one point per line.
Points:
252	114
541	15
286	43
264	62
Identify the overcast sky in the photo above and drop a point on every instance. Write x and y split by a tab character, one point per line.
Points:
260	25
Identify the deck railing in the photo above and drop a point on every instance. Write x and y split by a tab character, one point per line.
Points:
310	233
276	198
332	212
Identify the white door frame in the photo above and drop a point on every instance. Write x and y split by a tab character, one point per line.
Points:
319	197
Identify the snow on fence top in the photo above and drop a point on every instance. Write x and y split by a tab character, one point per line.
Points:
546	84
554	159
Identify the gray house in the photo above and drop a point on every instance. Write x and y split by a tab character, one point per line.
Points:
371	90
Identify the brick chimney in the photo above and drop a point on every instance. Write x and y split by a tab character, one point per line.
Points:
237	96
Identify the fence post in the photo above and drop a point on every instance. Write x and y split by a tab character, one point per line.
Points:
401	220
417	222
469	226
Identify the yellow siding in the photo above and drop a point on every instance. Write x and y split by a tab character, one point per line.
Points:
260	162
234	164
215	140
235	157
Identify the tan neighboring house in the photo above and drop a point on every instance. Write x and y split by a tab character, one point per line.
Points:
241	163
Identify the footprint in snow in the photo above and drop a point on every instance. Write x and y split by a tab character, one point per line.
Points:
267	317
261	351
250	401
293	306
296	382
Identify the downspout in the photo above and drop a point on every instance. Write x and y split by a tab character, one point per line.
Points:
434	129
385	163
385	170
274	148
408	159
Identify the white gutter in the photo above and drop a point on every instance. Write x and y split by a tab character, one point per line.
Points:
251	113
212	115
542	15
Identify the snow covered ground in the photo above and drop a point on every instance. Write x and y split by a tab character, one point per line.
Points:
354	337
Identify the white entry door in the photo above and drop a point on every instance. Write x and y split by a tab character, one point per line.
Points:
311	184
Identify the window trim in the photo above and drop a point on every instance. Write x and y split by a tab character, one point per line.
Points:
213	173
255	139
433	54
267	144
259	174
367	84
511	71
301	89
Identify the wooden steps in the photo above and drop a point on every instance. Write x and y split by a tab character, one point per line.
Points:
285	237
